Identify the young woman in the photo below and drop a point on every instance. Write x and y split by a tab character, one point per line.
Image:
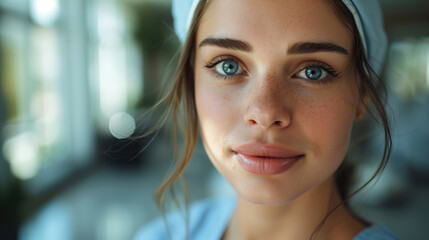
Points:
274	88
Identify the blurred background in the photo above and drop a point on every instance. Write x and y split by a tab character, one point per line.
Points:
75	78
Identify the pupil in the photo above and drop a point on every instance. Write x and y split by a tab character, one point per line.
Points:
230	67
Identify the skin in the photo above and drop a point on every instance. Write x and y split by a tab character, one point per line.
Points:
270	101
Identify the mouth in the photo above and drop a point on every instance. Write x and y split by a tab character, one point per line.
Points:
266	159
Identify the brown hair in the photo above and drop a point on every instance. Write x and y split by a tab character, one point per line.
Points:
179	105
372	92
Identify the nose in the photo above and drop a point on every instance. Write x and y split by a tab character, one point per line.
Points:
266	106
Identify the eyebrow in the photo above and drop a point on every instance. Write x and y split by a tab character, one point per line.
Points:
312	47
228	43
297	48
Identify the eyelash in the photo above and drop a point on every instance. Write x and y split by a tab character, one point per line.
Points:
220	59
333	74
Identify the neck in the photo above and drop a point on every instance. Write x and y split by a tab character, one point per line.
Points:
296	220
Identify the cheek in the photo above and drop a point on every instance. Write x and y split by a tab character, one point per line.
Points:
328	123
333	119
216	113
323	124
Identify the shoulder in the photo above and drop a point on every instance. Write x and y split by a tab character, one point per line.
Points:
206	218
376	232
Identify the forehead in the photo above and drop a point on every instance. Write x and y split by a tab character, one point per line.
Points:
274	23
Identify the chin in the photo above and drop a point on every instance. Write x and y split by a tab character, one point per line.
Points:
267	192
266	200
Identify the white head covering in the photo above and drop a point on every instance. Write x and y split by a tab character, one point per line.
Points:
367	15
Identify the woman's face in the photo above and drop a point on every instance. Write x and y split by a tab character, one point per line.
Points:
275	94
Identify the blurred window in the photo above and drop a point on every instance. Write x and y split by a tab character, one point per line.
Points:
70	71
408	67
47	131
115	67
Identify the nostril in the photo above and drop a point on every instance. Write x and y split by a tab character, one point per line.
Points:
267	119
252	122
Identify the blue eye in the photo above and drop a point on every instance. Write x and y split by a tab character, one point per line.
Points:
313	73
228	67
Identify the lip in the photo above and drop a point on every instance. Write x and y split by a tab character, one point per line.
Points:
266	159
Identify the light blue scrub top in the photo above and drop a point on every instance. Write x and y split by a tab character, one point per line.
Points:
208	220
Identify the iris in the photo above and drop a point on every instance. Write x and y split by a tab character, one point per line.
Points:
313	73
230	67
